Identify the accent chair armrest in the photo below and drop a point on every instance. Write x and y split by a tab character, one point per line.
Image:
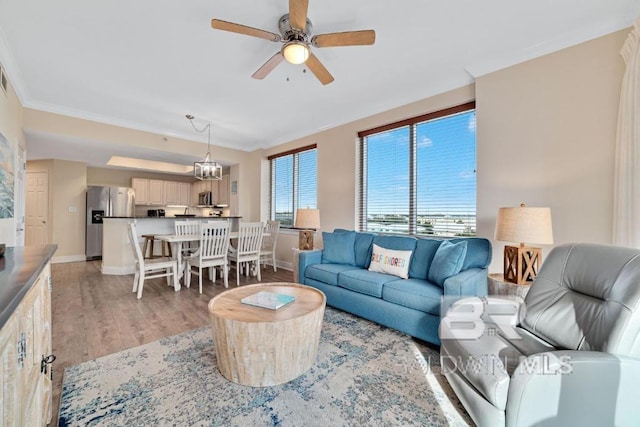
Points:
571	387
307	258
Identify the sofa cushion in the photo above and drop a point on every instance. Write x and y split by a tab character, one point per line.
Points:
363	249
478	252
447	261
364	281
414	293
326	273
389	261
339	248
422	257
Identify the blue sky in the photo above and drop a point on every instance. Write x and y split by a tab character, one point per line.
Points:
446	162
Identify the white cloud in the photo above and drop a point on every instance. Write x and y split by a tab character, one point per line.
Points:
472	123
425	141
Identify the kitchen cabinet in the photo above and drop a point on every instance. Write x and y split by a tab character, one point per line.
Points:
202	186
170	193
25	341
184	193
224	190
141	187
160	192
156	192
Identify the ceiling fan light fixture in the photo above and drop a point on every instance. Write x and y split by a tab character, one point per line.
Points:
295	52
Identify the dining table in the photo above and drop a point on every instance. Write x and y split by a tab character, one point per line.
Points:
177	240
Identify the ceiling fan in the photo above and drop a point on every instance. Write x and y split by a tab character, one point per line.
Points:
295	34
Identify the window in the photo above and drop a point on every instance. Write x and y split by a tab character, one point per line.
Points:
418	176
294	180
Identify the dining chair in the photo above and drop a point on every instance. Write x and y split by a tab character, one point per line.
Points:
211	253
269	240
247	251
150	268
187	227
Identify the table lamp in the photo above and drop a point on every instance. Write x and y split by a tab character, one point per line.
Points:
523	225
307	219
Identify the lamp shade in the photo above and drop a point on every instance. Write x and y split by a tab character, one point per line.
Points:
524	225
307	218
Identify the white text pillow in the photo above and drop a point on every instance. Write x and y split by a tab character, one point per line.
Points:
389	261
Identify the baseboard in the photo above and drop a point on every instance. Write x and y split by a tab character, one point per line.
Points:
68	258
118	271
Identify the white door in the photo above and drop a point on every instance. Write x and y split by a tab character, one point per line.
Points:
37	212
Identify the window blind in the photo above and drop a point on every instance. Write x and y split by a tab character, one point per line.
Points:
418	176
293	183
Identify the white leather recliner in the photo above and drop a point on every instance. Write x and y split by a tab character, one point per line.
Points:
571	358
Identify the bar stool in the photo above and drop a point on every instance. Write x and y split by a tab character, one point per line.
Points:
150	238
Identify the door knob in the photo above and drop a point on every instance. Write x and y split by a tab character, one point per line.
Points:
44	222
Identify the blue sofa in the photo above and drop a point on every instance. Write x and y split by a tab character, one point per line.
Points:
410	305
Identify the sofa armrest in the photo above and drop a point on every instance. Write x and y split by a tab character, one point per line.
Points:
307	258
471	282
570	387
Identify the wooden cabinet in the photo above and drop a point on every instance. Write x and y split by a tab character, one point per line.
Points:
159	192
224	190
141	187
156	192
184	194
25	340
170	193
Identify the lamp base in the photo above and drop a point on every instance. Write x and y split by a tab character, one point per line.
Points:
305	240
521	264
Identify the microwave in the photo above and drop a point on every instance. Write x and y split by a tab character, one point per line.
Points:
205	198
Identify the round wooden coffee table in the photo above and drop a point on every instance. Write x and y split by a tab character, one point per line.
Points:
262	347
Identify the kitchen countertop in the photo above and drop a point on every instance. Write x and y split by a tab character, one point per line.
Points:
19	269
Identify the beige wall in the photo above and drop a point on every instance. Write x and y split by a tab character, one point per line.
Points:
337	164
546	131
545	137
11	120
67	188
68	214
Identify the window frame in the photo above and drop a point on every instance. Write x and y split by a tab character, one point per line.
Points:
412	123
295	184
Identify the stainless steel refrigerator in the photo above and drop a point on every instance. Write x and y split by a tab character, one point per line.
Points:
101	202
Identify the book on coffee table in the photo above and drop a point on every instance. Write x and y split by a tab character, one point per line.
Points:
269	300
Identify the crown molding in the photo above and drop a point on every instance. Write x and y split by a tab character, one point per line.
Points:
567	40
11	68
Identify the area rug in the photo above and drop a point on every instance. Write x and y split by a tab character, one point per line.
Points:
365	374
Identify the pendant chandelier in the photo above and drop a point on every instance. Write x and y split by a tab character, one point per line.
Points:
207	169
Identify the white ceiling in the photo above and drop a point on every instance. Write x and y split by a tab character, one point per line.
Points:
144	64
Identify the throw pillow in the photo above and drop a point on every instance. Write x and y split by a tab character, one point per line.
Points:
339	248
390	261
447	261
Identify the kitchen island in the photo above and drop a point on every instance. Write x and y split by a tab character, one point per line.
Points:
117	256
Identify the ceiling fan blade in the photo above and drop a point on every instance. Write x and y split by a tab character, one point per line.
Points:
318	70
298	14
268	66
243	29
348	38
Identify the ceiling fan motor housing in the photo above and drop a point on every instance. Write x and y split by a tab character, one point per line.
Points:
289	34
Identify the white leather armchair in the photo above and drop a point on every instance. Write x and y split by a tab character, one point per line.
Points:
569	356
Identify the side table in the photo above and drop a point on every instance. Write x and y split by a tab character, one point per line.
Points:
498	286
296	254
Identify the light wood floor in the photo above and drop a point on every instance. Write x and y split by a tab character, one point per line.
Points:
95	315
